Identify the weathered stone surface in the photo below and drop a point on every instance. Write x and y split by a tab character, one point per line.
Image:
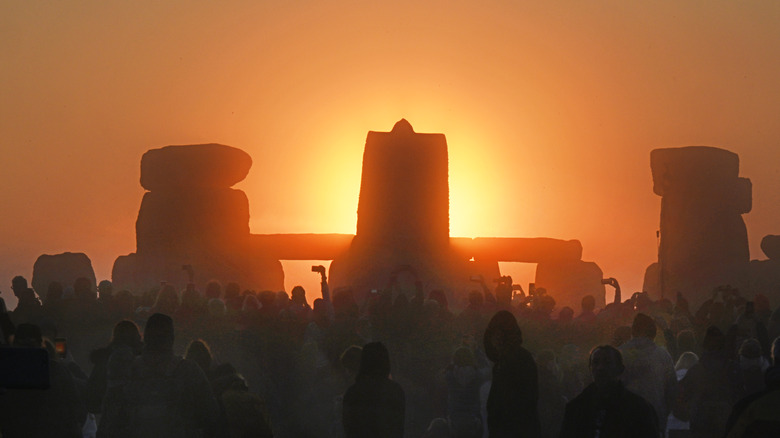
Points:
404	190
180	222
64	268
703	237
569	281
194	166
770	245
403	220
191	216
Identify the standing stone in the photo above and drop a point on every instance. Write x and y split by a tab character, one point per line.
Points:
64	268
191	216
703	237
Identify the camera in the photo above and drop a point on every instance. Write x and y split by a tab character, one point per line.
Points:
319	269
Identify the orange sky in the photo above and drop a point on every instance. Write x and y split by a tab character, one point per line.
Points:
550	110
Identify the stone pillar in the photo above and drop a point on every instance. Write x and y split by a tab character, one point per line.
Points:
191	216
703	237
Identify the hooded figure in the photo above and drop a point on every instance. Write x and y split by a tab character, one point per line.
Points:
375	405
511	404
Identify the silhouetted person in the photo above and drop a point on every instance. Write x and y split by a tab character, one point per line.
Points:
200	353
551	399
375	405
166	395
605	409
649	368
125	341
245	412
710	388
463	383
50	413
6	325
233	298
588	305
752	365
511	404
757	415
28	307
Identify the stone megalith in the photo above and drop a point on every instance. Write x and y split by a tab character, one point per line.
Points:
192	216
64	268
765	274
403	213
703	237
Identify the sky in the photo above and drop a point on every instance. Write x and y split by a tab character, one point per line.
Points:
550	110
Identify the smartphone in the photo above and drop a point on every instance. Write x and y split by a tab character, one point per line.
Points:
61	347
605	281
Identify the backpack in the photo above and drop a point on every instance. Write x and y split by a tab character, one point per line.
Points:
153	401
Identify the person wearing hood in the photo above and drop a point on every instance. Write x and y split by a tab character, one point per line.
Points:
375	405
514	392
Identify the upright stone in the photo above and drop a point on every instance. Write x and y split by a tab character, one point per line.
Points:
191	216
64	268
703	237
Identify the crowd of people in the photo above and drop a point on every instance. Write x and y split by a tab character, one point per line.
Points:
230	363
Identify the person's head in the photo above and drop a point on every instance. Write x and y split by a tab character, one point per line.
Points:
298	294
28	335
606	364
686	340
686	361
621	335
82	289
566	314
213	289
198	351
282	300
350	359
105	289
18	285
374	361
643	327
167	300
750	349
588	303
158	334
216	308
250	303
714	339
501	331
126	332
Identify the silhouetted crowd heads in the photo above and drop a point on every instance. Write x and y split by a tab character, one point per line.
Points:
231	363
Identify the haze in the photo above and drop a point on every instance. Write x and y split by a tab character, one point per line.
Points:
550	110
